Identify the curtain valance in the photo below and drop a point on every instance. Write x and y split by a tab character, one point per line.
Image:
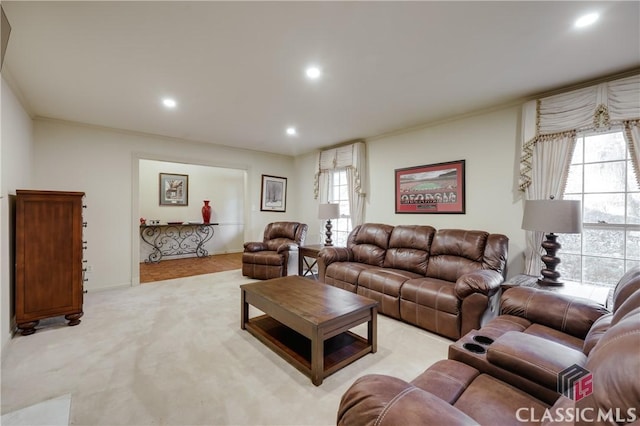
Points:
591	108
344	157
341	157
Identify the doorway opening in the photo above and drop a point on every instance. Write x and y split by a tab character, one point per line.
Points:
224	190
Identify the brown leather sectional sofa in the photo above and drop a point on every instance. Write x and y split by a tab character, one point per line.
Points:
446	281
538	338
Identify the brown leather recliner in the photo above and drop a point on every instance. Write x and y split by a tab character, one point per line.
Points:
277	254
485	389
539	333
451	392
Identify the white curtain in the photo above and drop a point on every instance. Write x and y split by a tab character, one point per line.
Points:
632	136
351	158
549	128
551	158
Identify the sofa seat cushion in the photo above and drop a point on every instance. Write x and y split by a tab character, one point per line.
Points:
433	293
266	257
383	285
447	379
345	275
505	323
385	280
490	401
487	400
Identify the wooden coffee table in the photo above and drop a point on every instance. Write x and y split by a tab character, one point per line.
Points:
307	323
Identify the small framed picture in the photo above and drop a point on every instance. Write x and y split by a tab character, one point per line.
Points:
273	197
174	190
432	188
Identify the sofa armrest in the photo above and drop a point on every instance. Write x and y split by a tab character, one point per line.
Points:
255	246
329	255
535	358
571	315
384	400
485	281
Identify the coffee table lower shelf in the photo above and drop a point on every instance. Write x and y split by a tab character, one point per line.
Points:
339	350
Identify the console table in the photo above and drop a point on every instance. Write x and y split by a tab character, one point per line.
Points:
176	239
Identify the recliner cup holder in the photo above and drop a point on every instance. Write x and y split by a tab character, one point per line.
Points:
483	340
472	347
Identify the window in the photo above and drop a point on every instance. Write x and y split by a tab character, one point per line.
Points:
601	176
339	193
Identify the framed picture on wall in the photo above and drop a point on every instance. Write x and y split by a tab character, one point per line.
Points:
433	188
174	190
273	197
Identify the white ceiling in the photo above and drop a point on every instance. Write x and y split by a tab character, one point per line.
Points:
236	69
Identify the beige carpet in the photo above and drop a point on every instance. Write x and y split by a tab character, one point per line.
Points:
173	353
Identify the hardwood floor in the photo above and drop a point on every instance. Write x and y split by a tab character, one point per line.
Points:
178	268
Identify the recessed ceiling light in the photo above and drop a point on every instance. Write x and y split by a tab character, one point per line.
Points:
291	131
313	72
169	103
586	20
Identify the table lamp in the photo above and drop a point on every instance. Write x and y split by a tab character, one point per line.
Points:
552	216
328	212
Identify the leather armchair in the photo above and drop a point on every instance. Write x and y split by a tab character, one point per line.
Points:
277	254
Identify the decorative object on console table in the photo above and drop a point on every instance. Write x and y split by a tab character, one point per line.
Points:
552	216
328	212
49	247
206	212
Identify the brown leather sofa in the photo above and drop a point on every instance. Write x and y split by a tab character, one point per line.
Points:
458	392
277	254
446	281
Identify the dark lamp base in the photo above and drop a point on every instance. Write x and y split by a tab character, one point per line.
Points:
551	283
327	241
549	274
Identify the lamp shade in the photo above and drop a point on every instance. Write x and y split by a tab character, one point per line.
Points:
328	211
557	216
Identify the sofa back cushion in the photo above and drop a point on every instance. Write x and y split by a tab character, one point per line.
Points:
628	285
278	233
614	365
409	248
455	252
369	242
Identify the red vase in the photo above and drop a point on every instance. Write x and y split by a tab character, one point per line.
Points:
206	212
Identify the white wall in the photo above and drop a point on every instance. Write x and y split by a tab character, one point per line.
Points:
489	144
104	164
16	158
223	187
